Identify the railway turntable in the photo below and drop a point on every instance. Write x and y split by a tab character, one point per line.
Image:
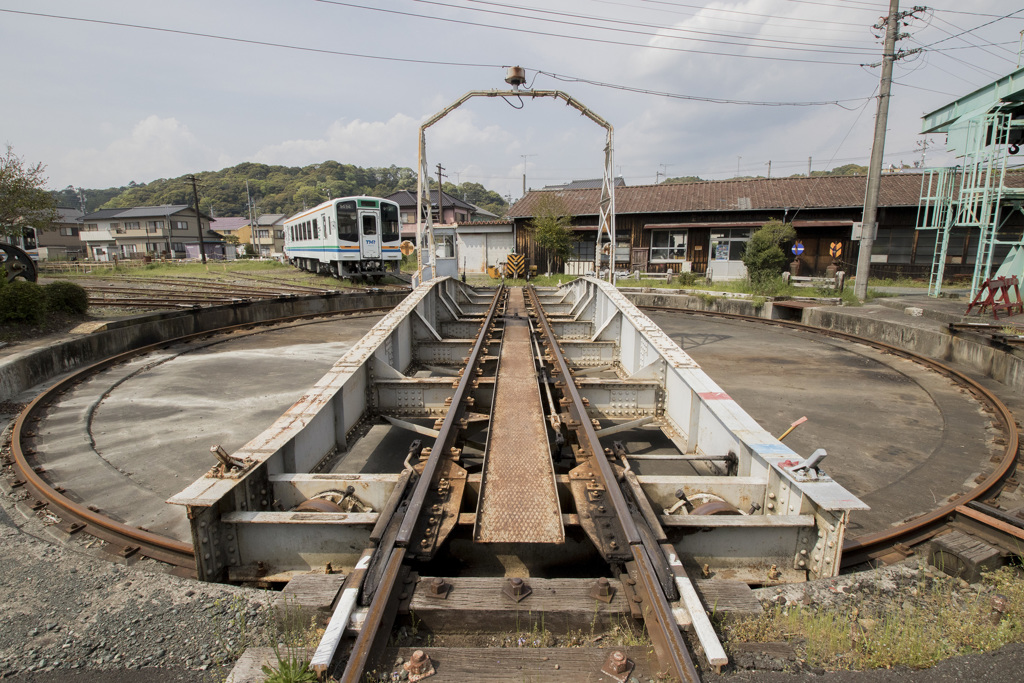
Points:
487	458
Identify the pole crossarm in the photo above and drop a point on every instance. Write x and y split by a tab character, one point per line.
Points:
607	202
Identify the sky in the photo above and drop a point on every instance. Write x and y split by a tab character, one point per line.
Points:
104	92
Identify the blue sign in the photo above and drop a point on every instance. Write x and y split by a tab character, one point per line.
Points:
797	248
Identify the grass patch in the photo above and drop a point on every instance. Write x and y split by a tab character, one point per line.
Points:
942	620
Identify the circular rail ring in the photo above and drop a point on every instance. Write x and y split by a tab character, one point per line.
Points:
129	539
159	547
869	546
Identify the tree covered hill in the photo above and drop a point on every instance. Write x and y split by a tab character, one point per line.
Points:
274	189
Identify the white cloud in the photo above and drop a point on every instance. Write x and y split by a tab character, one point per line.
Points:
359	142
156	147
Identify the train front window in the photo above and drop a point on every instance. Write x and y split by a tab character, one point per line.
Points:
389	222
369	225
348	225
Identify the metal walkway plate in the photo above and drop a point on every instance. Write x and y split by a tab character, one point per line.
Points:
518	498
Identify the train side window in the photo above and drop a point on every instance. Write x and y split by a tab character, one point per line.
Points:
369	224
316	230
348	226
389	222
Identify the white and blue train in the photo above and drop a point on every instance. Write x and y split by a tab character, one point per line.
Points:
353	237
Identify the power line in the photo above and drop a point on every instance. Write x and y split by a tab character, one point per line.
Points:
603	41
701	8
247	41
623	22
714	100
556	76
972	30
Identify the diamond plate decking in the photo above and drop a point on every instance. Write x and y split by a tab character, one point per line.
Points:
518	498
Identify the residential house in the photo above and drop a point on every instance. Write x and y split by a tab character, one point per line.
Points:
453	210
269	235
60	242
704	226
156	231
236	231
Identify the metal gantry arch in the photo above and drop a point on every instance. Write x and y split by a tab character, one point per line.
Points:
606	211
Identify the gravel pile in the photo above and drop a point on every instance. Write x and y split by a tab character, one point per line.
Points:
66	607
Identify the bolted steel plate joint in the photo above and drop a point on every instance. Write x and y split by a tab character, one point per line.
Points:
419	666
603	590
517	589
617	666
438	588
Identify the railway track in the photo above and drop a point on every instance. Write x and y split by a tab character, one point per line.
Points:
191	292
412	528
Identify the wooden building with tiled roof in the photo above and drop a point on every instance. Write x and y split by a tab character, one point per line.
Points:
686	226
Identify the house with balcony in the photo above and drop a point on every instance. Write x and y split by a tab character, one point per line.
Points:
268	235
155	231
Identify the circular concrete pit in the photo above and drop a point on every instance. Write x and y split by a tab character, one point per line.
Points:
901	437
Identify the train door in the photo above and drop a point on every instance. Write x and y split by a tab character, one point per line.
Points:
369	234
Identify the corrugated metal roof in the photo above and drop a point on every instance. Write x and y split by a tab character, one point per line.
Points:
897	189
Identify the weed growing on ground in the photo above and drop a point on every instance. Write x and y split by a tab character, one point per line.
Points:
943	620
234	629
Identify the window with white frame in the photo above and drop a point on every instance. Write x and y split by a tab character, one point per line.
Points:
69	232
728	244
668	245
153	226
279	234
179	225
177	246
131	225
262	234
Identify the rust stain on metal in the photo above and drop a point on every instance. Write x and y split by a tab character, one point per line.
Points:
518	497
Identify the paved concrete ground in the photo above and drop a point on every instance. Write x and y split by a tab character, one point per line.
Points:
899	436
131	437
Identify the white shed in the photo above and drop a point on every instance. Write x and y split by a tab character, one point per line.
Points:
484	244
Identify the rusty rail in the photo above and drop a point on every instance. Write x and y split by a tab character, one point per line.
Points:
77	517
669	645
873	546
391	554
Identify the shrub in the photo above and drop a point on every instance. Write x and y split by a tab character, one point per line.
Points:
66	297
764	257
21	302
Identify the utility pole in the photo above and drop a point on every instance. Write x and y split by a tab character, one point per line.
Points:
199	218
808	167
440	196
738	165
769	168
870	218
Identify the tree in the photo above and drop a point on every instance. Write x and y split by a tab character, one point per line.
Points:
551	229
24	203
764	257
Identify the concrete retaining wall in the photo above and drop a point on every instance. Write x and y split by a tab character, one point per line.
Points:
34	366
